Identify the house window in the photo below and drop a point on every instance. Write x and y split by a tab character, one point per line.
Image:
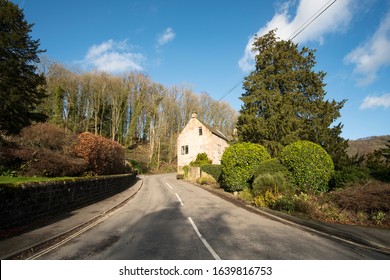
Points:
184	150
200	131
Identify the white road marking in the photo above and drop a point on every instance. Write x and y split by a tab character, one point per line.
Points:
215	255
178	197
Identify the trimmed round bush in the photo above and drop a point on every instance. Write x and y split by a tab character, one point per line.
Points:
238	162
310	164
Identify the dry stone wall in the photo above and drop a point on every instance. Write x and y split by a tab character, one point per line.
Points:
30	201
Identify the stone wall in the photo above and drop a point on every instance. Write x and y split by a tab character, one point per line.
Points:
34	200
193	173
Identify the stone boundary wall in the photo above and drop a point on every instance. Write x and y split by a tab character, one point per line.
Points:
29	201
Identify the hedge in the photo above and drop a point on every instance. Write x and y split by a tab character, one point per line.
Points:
213	169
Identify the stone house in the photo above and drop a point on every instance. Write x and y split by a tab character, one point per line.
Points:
198	137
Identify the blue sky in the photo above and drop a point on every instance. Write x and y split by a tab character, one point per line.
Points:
206	44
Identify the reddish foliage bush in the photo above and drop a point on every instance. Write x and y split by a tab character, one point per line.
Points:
45	150
8	161
41	150
103	155
46	163
44	135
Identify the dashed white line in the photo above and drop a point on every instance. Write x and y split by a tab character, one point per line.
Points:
178	197
206	244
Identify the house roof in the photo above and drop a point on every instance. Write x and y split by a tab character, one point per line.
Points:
214	131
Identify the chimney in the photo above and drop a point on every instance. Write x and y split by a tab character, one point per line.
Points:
194	115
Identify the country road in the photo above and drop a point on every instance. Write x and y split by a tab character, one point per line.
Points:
171	219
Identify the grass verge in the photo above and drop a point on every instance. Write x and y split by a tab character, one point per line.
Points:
16	181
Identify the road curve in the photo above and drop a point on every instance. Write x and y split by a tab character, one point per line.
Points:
170	219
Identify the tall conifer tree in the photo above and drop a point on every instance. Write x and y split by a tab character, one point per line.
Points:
21	87
284	100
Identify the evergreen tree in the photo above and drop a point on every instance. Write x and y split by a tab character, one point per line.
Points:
21	87
284	100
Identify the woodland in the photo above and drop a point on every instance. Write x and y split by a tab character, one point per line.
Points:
130	109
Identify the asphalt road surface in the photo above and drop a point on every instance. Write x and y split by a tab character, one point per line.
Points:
170	219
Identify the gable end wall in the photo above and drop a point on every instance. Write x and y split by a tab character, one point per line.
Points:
208	143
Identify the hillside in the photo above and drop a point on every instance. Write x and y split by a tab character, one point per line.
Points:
367	145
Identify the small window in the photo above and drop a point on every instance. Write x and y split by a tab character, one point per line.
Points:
184	150
200	131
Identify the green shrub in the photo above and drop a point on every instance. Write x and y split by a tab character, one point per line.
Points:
284	204
186	170
266	200
378	217
237	164
212	169
245	195
381	175
201	159
270	166
137	166
349	175
310	164
206	179
294	203
270	182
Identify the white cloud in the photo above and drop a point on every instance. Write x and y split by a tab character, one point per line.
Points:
334	19
167	36
371	102
97	50
373	54
114	56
